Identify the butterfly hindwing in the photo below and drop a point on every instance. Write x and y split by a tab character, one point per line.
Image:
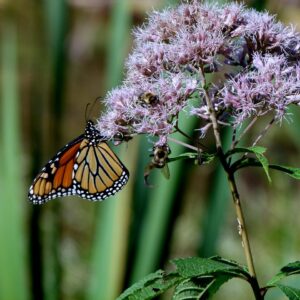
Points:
98	173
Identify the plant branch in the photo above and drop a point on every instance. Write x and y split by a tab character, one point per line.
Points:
262	134
183	133
245	131
212	114
233	188
184	144
264	131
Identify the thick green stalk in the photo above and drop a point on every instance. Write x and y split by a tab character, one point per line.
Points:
56	17
13	274
217	206
108	258
155	223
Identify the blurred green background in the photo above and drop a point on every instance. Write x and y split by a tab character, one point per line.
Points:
55	57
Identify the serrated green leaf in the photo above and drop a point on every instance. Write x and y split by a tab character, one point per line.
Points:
230	262
151	286
259	153
291	292
195	278
288	270
192	288
199	288
197	266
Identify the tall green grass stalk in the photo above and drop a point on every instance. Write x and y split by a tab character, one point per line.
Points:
142	223
215	213
56	16
39	66
120	30
155	224
108	258
110	244
13	256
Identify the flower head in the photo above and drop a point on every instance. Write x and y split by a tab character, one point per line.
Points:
256	60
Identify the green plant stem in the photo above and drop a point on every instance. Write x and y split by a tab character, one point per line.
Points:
234	191
241	224
184	144
253	121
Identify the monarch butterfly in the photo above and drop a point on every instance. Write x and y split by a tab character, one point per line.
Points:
85	167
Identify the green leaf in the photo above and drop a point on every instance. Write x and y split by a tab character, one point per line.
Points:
288	270
293	172
291	292
199	288
205	276
252	162
229	262
151	286
203	157
259	153
262	159
195	278
291	268
196	267
254	149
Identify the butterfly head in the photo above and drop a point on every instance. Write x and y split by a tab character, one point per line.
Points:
91	133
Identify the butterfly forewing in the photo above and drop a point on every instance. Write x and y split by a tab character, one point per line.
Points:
86	167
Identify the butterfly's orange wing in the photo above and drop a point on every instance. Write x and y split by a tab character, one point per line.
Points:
83	167
98	173
55	179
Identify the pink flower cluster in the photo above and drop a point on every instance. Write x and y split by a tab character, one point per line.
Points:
271	85
255	59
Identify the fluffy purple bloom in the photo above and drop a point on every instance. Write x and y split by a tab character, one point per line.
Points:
271	85
256	60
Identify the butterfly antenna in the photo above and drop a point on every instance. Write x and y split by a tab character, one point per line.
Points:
90	106
86	112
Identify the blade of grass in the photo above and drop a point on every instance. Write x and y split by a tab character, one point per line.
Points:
118	46
215	213
155	222
13	256
294	129
110	244
147	205
139	202
56	16
218	203
39	64
259	4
